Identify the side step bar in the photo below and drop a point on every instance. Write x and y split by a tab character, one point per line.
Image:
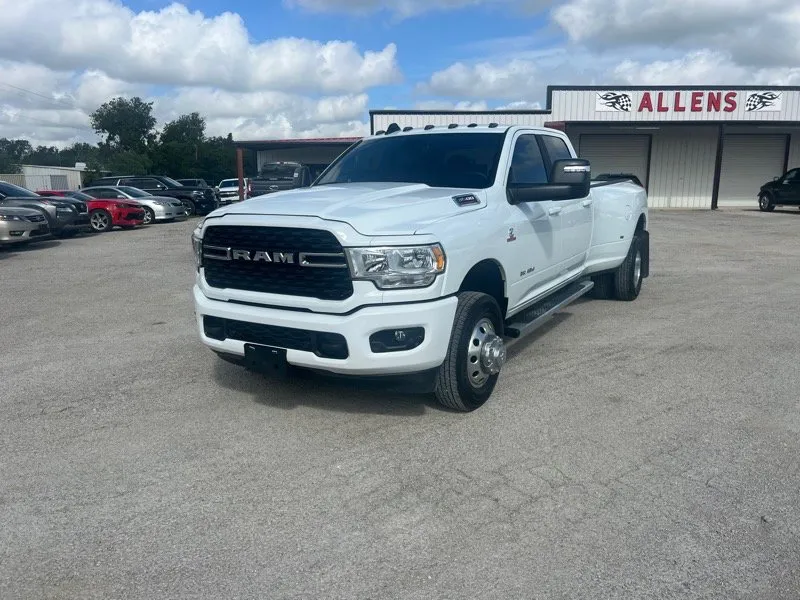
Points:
531	319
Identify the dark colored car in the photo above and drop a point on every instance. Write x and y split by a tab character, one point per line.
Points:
199	183
65	216
277	177
781	191
105	214
197	201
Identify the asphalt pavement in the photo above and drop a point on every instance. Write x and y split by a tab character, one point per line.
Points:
631	450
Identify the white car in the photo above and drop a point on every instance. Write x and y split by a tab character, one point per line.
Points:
229	190
156	208
418	257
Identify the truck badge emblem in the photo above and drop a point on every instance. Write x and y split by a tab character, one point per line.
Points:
511	237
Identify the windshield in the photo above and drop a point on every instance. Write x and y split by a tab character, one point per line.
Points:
170	182
9	189
131	191
460	160
229	183
79	196
277	172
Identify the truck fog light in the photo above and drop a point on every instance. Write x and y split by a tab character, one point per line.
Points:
214	327
396	340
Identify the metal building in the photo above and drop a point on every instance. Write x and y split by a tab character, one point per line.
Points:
691	146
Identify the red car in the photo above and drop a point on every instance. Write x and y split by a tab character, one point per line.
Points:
104	215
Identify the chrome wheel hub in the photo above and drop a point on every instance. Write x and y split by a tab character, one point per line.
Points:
637	268
486	353
99	221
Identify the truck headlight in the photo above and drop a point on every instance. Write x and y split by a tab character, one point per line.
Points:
197	247
11	218
397	267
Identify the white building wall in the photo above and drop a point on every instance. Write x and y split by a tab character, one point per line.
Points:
682	163
794	150
419	120
49	178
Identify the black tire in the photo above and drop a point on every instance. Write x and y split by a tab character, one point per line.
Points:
149	216
101	221
765	203
454	386
190	208
628	277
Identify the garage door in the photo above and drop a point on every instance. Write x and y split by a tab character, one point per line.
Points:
748	161
616	154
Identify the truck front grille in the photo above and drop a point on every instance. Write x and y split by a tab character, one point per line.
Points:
329	282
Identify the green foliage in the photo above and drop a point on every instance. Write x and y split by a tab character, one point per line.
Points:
126	124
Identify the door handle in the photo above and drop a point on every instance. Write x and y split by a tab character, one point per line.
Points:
554	211
586	203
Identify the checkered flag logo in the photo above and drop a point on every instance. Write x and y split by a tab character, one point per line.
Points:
621	102
760	101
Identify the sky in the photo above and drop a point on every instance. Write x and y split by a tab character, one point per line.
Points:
266	69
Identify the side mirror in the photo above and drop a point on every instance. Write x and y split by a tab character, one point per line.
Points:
570	178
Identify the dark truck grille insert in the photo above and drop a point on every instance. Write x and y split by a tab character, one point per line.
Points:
324	282
325	345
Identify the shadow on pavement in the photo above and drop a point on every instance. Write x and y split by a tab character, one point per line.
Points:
306	388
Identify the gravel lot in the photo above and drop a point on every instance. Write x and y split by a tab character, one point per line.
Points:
642	450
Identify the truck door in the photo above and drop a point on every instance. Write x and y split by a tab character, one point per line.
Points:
532	247
576	215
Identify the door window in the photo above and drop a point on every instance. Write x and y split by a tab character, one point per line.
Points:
527	163
792	176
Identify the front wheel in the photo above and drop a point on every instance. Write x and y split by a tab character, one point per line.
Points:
475	355
765	203
100	221
149	216
627	279
189	208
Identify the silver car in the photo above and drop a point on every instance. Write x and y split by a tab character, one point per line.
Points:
156	208
22	225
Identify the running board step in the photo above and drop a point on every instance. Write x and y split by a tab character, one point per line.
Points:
537	315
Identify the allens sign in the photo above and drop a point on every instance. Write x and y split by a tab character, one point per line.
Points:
687	101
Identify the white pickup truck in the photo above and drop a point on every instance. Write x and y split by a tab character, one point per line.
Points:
417	256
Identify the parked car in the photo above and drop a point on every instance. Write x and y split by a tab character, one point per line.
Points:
200	201
156	208
419	257
22	225
279	176
781	191
229	190
105	214
65	216
199	183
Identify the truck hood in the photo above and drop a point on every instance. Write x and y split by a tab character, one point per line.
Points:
370	208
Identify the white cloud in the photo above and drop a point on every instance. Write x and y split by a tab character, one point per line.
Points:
445	105
174	46
507	81
53	74
746	29
400	8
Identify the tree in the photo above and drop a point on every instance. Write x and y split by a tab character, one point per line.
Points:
12	154
186	129
127	124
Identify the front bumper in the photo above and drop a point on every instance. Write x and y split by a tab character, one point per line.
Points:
436	318
16	232
128	217
169	213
